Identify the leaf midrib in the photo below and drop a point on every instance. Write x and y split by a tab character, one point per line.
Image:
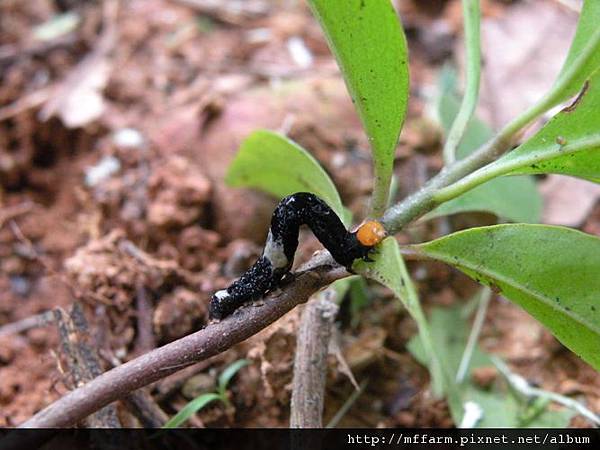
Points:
519	287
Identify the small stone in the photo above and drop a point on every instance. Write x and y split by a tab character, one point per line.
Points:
108	166
128	138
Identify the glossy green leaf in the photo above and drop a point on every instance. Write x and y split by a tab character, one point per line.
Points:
568	144
388	268
272	163
368	42
587	31
229	373
190	409
516	199
552	272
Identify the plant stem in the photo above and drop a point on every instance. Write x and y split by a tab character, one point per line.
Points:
381	194
413	306
505	166
422	201
471	16
522	386
310	363
484	300
347	405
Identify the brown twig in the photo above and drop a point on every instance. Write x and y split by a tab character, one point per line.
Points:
166	388
26	102
82	360
38	320
234	12
11	212
10	53
166	266
310	365
145	340
143	406
215	338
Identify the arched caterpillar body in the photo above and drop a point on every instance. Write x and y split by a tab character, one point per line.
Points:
276	261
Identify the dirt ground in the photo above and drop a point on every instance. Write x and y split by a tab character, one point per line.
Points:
117	125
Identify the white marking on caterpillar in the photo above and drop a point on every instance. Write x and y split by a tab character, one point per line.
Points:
222	294
274	253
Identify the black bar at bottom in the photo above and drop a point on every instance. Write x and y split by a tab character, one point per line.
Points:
262	438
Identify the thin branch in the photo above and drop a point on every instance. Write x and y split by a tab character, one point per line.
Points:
147	411
39	320
10	212
410	299
234	12
423	201
521	385
215	338
347	405
505	166
310	364
145	337
471	16
484	300
82	360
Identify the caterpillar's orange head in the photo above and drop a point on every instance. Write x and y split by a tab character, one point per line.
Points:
370	233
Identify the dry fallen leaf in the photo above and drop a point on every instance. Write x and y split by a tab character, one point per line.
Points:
521	61
78	100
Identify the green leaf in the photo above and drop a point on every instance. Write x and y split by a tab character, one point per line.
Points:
388	268
342	286
190	409
229	373
551	419
368	42
516	199
449	331
568	144
449	334
552	272
587	31
274	164
501	408
359	299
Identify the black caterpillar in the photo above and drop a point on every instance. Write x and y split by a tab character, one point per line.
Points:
276	261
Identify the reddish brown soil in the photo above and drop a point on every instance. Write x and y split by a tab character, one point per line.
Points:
143	249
